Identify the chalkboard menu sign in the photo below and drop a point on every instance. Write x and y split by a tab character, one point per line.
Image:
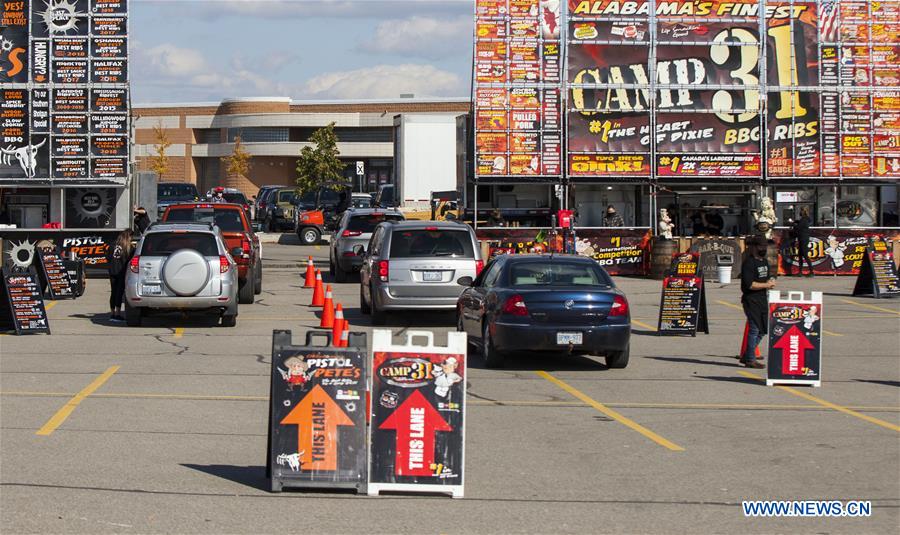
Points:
68	60
317	414
55	274
878	274
22	307
682	307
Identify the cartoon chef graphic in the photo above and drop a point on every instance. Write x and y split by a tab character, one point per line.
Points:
445	376
810	317
836	251
297	373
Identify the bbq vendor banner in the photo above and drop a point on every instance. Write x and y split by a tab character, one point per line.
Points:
517	72
795	339
317	413
741	90
417	429
63	87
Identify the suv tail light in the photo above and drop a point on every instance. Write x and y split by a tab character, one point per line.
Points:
135	260
515	306
224	264
383	270
619	306
349	233
479	265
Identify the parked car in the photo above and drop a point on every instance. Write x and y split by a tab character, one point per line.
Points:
546	303
231	195
355	228
182	267
361	200
262	201
168	193
280	208
238	234
415	265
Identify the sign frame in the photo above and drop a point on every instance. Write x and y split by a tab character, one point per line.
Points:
794	300
685	273
283	469
871	279
382	342
7	308
63	274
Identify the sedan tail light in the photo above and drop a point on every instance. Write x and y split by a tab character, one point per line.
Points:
383	270
479	265
619	306
245	246
224	264
349	233
135	260
515	306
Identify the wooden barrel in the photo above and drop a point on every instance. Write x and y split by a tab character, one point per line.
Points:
661	257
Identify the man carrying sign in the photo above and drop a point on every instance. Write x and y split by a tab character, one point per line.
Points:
755	283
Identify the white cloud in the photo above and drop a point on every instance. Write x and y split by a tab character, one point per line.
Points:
420	36
385	81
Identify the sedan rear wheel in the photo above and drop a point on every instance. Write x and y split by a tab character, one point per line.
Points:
492	358
618	359
247	291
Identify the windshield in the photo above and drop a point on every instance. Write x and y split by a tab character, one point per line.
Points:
237	198
546	273
176	192
164	243
421	243
366	223
362	202
286	195
226	220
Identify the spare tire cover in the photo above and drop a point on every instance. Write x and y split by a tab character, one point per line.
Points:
186	272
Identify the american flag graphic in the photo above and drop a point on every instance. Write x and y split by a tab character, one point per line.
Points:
828	20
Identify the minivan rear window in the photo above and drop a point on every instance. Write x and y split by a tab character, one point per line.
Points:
421	243
228	220
166	243
367	222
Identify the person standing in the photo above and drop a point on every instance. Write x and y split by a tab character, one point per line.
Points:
612	218
800	231
756	281
141	220
118	257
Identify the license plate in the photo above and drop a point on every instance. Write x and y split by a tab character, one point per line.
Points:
151	289
569	338
431	276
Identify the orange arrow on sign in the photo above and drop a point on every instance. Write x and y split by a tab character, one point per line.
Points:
317	417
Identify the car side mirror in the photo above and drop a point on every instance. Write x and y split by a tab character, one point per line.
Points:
359	250
465	281
237	252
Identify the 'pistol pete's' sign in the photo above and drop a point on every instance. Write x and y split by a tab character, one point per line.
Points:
317	407
795	339
417	430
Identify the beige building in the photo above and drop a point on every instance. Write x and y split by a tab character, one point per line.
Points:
274	130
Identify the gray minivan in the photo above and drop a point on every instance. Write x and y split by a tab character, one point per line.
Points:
415	265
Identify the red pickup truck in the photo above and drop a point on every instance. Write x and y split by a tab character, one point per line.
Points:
237	231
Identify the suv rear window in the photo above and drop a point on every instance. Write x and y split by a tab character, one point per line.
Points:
176	192
367	222
425	243
286	195
227	219
543	273
237	198
166	243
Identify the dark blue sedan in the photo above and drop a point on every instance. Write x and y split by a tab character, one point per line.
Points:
548	303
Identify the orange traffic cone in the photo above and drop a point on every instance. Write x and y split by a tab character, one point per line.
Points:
345	336
744	342
327	310
337	326
310	274
318	297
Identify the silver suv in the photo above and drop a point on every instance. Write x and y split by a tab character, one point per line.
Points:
355	228
182	267
416	265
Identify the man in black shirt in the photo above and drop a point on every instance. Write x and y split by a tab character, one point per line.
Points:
800	231
755	283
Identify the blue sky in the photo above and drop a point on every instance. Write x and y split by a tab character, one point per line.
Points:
207	50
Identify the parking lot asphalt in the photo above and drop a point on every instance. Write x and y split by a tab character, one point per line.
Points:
162	428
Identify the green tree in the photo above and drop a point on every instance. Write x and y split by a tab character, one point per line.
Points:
320	166
238	164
